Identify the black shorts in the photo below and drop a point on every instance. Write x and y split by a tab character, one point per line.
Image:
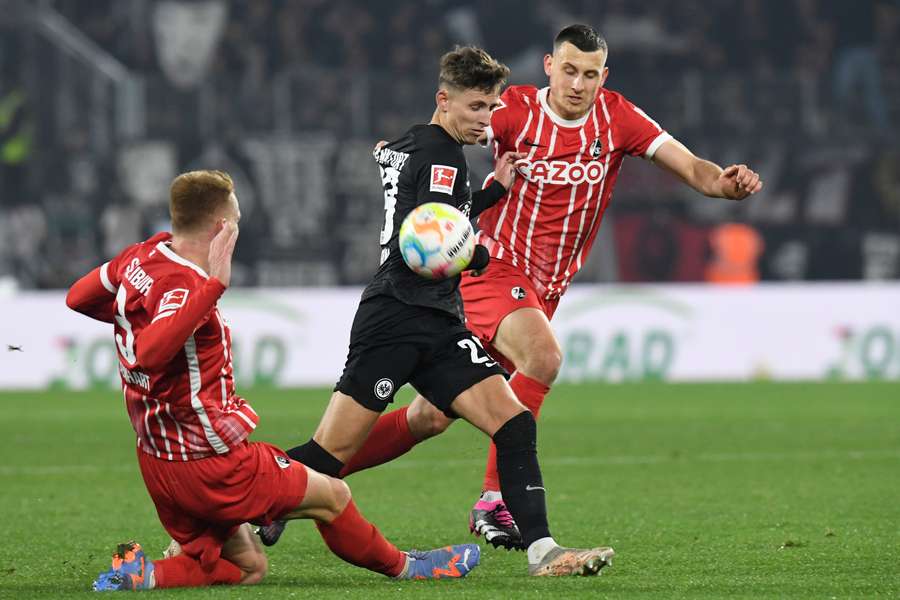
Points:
393	343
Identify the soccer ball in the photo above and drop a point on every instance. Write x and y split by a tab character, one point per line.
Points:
437	240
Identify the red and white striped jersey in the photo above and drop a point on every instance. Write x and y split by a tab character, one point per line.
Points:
548	220
174	351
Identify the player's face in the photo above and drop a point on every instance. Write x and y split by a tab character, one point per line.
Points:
575	78
468	112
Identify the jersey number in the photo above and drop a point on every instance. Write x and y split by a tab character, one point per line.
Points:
474	346
125	346
389	178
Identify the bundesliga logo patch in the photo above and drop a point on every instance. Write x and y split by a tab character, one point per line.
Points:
518	293
442	179
173	299
282	462
383	388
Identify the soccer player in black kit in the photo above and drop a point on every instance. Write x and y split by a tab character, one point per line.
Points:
409	329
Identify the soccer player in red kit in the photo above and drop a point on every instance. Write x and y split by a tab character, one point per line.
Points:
575	134
206	480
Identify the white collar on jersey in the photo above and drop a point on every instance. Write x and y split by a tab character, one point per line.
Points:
168	253
542	98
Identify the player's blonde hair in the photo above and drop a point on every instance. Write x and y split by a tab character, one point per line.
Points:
196	196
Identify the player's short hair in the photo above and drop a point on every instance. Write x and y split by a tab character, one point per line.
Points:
583	37
468	67
195	196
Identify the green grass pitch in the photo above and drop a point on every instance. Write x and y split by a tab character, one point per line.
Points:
705	491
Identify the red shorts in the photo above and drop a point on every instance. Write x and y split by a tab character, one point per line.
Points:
488	298
201	503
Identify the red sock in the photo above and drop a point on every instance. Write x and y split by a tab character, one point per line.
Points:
360	543
531	393
389	438
184	571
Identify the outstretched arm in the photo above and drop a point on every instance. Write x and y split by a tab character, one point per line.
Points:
93	295
735	182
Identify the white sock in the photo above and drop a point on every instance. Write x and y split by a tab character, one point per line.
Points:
402	574
491	496
539	548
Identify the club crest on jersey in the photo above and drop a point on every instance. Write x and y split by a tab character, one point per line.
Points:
596	148
442	179
283	462
518	293
383	388
173	299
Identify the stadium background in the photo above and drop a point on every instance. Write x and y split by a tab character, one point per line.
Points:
746	489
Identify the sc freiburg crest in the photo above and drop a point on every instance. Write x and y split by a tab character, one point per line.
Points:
596	148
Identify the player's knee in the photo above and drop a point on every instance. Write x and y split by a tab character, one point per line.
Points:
438	423
340	497
425	420
544	363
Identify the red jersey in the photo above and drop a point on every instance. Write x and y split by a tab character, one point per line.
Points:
174	350
548	220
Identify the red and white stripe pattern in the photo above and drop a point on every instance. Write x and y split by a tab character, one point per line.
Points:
209	419
187	409
549	219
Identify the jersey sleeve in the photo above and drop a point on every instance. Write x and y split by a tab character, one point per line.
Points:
639	135
501	119
94	294
177	306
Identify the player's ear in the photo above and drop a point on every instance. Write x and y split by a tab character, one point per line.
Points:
603	76
548	64
442	99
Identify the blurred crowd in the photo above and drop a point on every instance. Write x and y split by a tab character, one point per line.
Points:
102	102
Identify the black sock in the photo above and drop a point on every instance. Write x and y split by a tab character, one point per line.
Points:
520	476
317	458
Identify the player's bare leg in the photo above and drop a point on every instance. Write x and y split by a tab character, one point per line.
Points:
340	434
343	430
526	338
344	426
244	550
425	420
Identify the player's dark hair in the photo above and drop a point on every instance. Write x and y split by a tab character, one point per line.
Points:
196	196
468	67
583	37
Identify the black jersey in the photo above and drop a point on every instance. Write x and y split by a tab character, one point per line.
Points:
425	165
